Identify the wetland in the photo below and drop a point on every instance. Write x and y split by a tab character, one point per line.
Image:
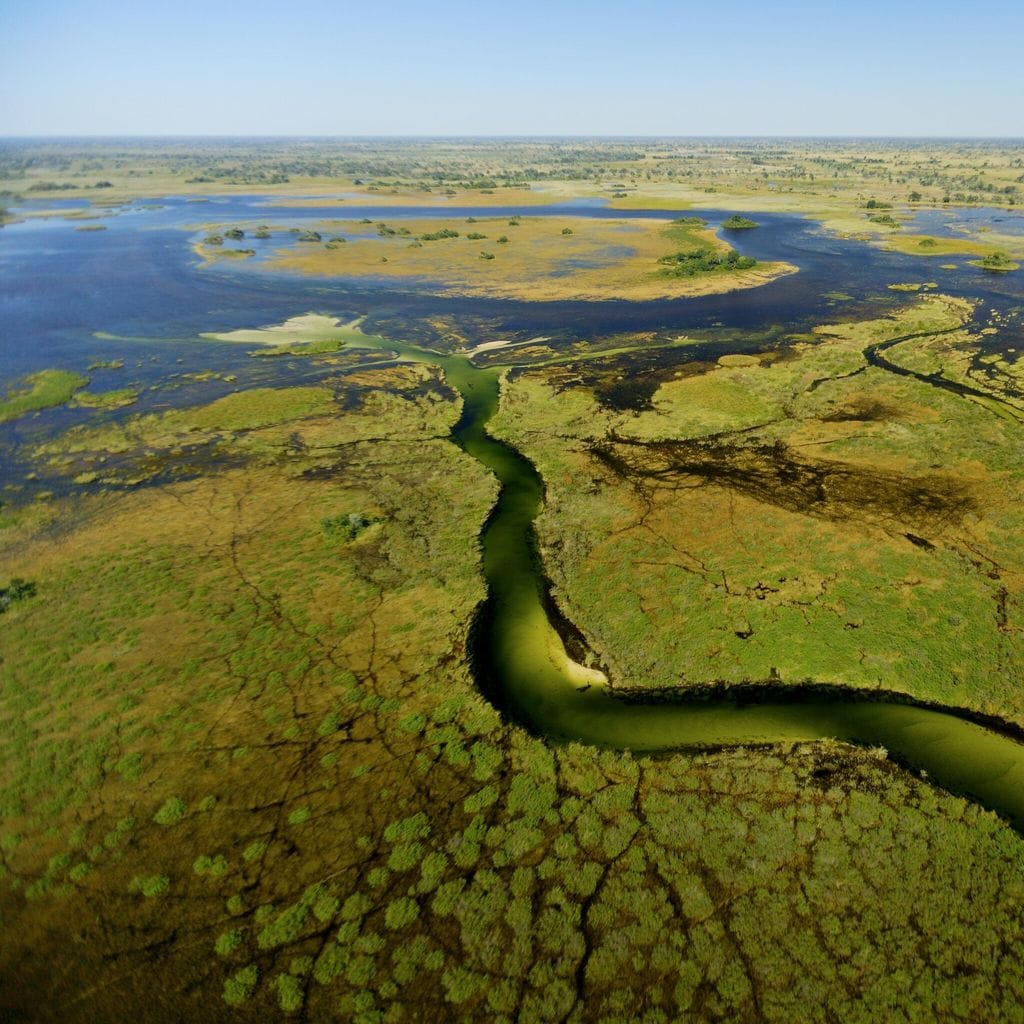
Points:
706	629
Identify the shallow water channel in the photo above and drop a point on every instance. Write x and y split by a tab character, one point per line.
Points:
522	665
63	285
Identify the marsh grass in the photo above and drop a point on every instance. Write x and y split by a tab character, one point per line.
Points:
607	259
795	520
41	390
380	844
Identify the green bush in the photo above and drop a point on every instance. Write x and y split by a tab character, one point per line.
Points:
738	223
172	810
347	526
240	986
17	590
704	260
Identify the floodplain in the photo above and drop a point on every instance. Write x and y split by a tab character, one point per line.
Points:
263	751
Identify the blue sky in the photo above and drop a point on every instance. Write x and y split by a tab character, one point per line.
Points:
314	67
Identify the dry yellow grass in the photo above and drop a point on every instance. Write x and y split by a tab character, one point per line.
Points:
543	259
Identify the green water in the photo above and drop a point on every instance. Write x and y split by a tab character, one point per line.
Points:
530	675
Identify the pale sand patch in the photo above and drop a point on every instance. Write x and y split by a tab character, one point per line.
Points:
308	327
488	346
582	677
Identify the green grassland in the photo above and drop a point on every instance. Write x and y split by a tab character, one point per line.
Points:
803	518
42	390
244	763
261	759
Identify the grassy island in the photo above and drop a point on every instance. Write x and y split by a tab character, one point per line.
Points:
536	258
41	390
738	223
996	263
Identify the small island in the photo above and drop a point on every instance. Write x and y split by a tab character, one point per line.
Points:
995	263
738	223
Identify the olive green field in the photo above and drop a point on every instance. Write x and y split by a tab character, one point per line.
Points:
252	764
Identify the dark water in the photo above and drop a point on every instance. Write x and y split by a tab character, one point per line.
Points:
139	279
139	283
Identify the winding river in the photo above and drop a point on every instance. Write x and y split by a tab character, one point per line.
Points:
523	667
64	285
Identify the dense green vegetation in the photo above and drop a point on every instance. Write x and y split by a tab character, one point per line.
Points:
704	261
876	550
701	253
245	770
997	262
41	390
16	590
738	223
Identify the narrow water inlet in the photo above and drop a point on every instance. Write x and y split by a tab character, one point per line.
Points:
522	665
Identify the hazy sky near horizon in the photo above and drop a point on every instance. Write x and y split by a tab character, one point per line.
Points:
455	67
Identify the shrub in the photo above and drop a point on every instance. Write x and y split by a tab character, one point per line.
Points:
228	942
347	526
173	810
290	996
240	986
206	865
255	849
17	590
704	260
150	885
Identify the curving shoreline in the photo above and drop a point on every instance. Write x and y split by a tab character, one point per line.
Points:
522	665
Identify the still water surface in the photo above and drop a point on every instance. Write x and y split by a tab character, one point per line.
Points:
138	285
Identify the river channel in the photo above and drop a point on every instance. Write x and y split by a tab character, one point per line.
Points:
139	278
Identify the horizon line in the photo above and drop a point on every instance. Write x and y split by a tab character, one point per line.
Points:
60	136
